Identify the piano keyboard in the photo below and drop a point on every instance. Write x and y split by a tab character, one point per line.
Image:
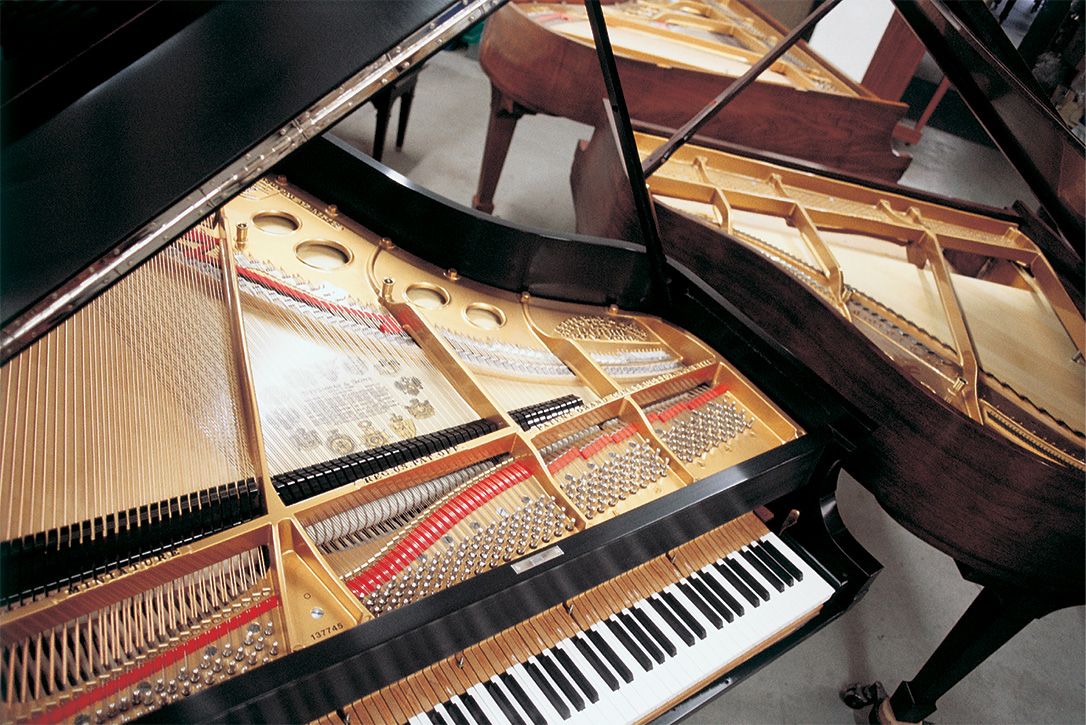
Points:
624	651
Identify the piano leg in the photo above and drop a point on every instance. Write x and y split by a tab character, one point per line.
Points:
504	114
997	614
405	112
382	101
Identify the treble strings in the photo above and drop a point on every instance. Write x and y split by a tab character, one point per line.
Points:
335	376
130	401
517	374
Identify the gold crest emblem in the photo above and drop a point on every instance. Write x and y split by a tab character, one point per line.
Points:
420	410
340	444
403	427
410	386
372	436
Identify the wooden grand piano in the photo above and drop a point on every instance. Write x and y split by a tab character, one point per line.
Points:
676	57
287	438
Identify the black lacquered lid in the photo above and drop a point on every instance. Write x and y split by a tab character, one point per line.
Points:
93	157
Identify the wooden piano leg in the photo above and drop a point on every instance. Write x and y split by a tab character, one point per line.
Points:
504	114
995	616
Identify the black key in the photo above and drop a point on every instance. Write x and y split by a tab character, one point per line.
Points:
783	560
773	564
608	653
455	713
729	575
697	601
672	621
747	578
636	630
597	664
545	687
503	703
435	717
560	679
517	691
711	599
759	566
575	674
474	709
688	619
724	594
650	626
626	641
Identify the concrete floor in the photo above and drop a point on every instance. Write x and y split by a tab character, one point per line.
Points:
1037	678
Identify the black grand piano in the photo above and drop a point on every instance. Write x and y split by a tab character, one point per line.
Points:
288	438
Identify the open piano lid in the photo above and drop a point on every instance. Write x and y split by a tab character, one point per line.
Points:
978	58
131	163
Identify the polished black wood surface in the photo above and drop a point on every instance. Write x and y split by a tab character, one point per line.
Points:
84	180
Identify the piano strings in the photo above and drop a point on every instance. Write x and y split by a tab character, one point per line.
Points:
604	465
125	654
499	516
334	374
707	37
487	331
129	403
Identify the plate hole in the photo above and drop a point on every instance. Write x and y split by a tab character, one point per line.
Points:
484	316
427	296
276	222
323	254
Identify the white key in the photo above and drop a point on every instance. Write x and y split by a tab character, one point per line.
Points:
685	668
496	681
538	697
439	708
575	715
459	702
748	626
703	658
486	702
663	677
643	691
814	583
604	709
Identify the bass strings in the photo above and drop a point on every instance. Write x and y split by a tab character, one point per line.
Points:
132	400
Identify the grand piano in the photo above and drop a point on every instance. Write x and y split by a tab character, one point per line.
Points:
676	57
288	438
